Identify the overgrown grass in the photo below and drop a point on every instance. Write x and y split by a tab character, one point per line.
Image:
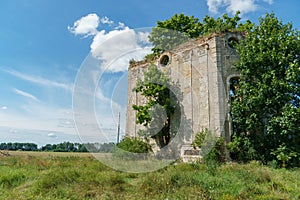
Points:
75	177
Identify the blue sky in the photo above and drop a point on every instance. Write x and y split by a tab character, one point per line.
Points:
45	43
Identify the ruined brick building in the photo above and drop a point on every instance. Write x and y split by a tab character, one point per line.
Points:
203	69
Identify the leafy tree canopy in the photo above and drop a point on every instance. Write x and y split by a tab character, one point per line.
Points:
180	28
160	104
266	110
155	87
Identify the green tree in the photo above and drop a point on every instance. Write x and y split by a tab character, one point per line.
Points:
82	148
159	107
47	147
224	24
174	31
107	147
266	112
170	33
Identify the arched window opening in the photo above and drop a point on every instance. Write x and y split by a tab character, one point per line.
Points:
232	42
164	60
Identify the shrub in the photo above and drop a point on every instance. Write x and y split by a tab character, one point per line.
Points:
199	139
242	149
284	155
131	145
215	146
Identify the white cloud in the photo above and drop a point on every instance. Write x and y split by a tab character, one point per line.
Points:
87	25
106	20
121	26
244	6
269	1
51	135
231	6
144	37
111	45
4	107
116	48
213	5
25	94
39	80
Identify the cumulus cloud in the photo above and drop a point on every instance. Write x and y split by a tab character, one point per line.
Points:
25	94
244	6
214	5
231	6
113	46
117	47
144	37
87	25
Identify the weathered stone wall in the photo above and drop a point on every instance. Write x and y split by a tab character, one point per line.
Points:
202	68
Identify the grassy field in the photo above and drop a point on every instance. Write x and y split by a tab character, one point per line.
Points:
45	154
39	175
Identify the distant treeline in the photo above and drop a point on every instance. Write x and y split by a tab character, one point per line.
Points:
18	146
61	147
